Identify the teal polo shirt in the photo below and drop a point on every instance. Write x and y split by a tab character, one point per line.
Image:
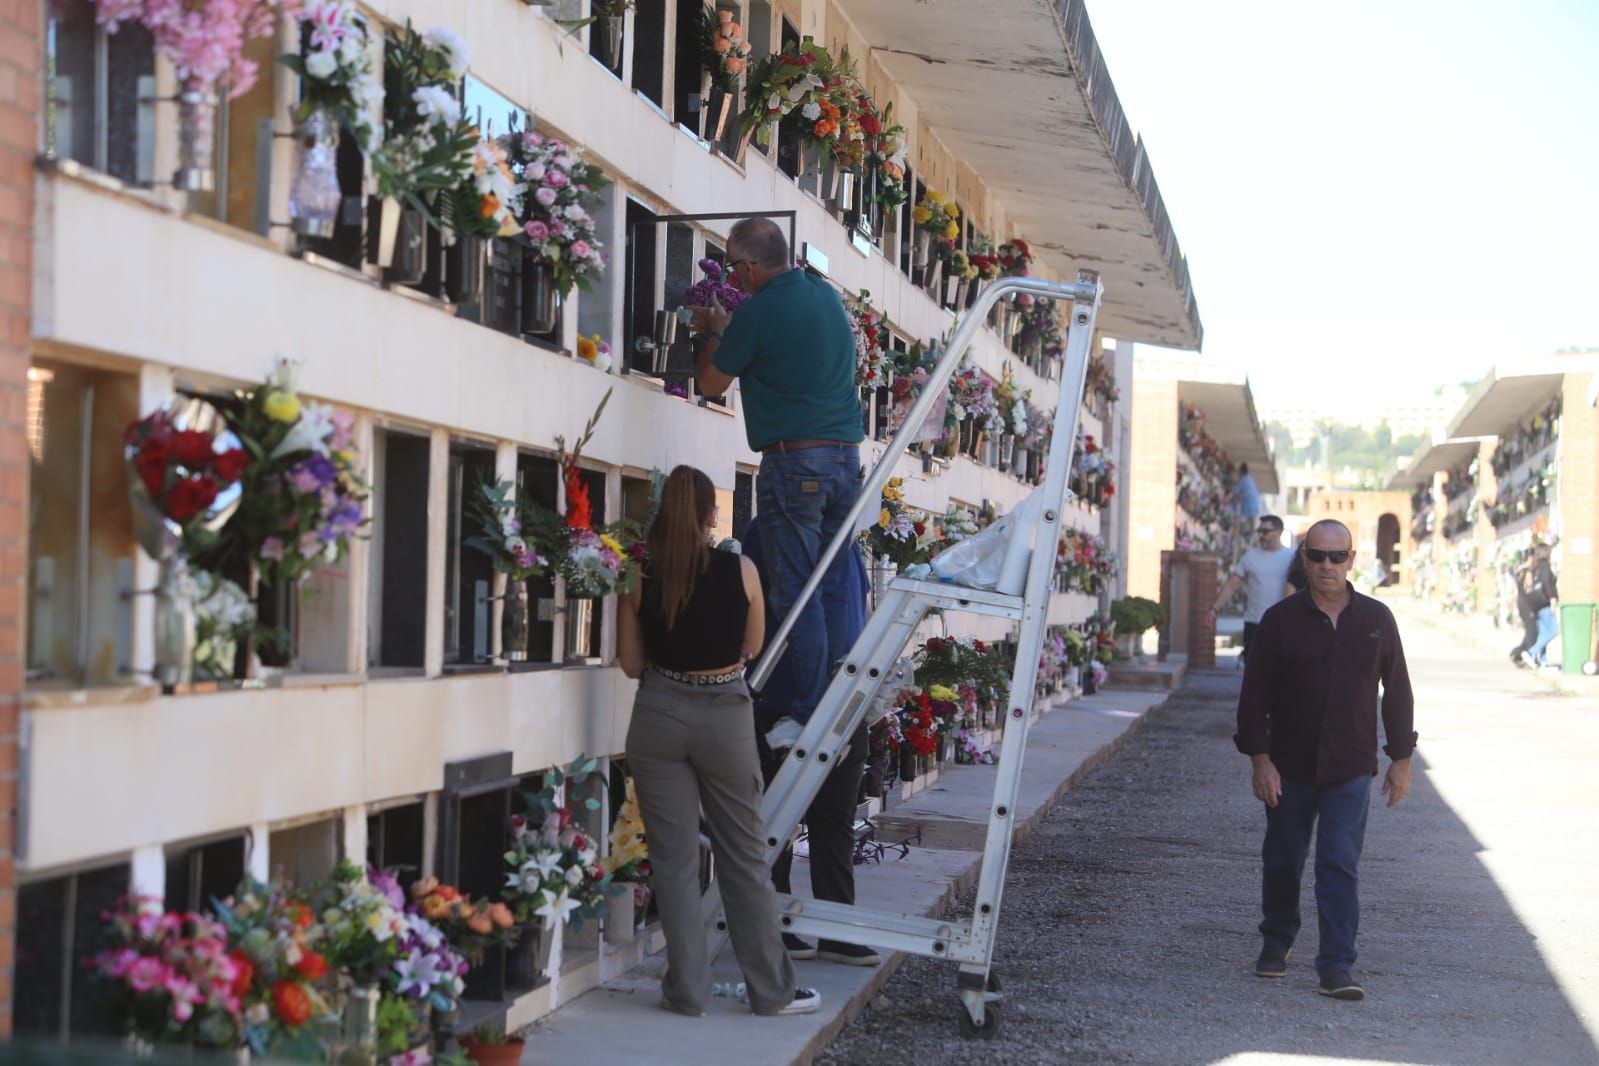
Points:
792	349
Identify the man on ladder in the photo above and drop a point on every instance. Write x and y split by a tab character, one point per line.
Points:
792	346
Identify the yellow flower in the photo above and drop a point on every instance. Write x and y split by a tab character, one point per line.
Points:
885	518
612	543
936	197
953	230
920	214
588	348
952	210
944	692
281	406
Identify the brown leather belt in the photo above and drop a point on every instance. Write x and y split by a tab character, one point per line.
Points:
795	445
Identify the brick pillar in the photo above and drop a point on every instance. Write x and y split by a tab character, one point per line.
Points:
1204	574
20	62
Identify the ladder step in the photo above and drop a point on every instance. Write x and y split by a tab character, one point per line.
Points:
961	598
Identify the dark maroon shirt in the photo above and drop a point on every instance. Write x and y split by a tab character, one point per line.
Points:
1310	690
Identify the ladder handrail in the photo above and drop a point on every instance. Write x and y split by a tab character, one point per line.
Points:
1087	287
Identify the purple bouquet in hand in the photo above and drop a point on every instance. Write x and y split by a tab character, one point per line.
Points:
713	286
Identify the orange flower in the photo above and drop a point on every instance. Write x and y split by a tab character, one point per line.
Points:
491	204
434	908
301	914
449	892
501	915
312	967
826	127
423	888
733	65
292	1005
480	923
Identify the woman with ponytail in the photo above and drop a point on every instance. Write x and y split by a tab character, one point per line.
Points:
686	634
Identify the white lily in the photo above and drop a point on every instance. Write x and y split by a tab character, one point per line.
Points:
556	908
309	434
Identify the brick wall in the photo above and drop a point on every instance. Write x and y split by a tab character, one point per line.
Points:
20	56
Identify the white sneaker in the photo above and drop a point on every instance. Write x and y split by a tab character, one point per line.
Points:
784	735
806	1001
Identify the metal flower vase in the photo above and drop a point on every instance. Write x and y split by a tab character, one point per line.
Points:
197	118
514	622
174	623
579	627
529	957
621	915
1007	450
714	112
314	195
465	263
1019	462
541	301
402	249
608	37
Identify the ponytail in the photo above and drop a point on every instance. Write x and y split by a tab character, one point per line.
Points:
678	551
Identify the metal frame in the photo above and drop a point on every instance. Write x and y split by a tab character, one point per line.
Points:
884	638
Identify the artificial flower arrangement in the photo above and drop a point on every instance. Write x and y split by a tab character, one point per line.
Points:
717	284
488	200
595	352
911	370
594	562
918	726
303	492
1015	258
554	875
282	974
168	977
629	858
1013	407
335	69
803	78
188	475
961	266
469	926
1040	327
506	521
937	217
902	534
957	524
1101	380
872	341
204	42
223	616
1083	562
724	53
971	395
984	258
428	145
561	189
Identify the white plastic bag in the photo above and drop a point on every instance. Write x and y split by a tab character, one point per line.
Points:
997	557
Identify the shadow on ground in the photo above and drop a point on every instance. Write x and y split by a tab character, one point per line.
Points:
1128	932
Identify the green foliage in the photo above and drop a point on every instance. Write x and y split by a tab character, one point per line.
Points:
489	1035
1135	614
1372	454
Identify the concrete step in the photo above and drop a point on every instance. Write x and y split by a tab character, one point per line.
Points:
1160	676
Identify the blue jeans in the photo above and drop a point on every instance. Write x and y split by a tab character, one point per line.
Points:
1342	812
802	498
1547	628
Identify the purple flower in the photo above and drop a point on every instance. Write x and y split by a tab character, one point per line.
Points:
272	548
545	196
537	230
556	178
310	475
311	544
386	883
581	249
344	519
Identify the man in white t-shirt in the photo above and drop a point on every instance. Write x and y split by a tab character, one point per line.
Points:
1262	573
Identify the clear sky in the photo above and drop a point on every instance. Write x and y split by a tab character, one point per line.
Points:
1376	193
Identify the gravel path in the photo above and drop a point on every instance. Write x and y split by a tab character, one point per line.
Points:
1128	932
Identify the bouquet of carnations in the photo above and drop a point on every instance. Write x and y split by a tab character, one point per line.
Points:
561	190
168	977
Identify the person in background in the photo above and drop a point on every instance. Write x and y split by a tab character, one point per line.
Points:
1262	572
1541	593
793	350
1307	718
1245	496
686	634
830	819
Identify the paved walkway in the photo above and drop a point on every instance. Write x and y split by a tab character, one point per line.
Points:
620	1022
1129	932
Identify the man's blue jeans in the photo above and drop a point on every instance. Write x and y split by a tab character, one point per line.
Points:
1547	628
802	498
1341	810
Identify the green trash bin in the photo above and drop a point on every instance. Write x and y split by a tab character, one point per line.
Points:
1576	636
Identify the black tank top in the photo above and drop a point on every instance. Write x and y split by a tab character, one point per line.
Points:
709	633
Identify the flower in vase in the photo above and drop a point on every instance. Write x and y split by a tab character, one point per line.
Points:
281	406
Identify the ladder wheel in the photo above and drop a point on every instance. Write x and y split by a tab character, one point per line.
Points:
986	1031
993	981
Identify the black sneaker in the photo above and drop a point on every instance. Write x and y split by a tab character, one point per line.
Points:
798	949
848	954
806	1001
1341	986
1273	961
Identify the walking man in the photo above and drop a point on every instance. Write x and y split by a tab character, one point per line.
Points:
1262	571
1308	720
792	347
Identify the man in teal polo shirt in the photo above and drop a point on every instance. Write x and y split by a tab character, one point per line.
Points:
792	347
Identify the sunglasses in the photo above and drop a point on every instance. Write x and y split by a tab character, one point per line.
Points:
1337	558
1263	530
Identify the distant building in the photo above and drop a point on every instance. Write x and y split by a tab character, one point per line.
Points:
1408	417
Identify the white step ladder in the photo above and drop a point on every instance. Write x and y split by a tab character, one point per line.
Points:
882	642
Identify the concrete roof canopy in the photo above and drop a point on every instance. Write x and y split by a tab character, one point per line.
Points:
1020	92
1230	418
1441	455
